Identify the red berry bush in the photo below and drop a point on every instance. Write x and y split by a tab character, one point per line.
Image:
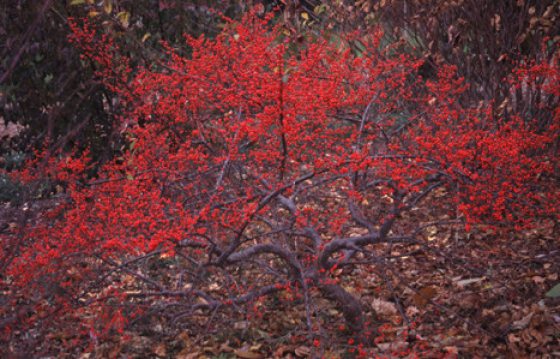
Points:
258	166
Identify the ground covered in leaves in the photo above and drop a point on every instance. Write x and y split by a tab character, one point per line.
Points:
453	294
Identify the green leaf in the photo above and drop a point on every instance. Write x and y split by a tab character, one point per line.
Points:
554	292
77	2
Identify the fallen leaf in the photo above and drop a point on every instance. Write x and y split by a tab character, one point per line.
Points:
470	301
246	354
424	295
282	350
523	322
108	6
256	347
302	351
186	355
554	292
452	350
224	347
240	325
412	311
393	346
140	343
465	282
383	307
160	350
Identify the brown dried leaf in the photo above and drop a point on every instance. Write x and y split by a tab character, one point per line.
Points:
160	350
523	322
393	346
186	355
246	354
383	307
224	347
282	350
108	6
412	311
302	351
424	295
465	282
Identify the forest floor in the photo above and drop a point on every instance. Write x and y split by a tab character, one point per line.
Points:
467	295
479	297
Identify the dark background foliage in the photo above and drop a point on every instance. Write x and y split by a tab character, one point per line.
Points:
51	94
